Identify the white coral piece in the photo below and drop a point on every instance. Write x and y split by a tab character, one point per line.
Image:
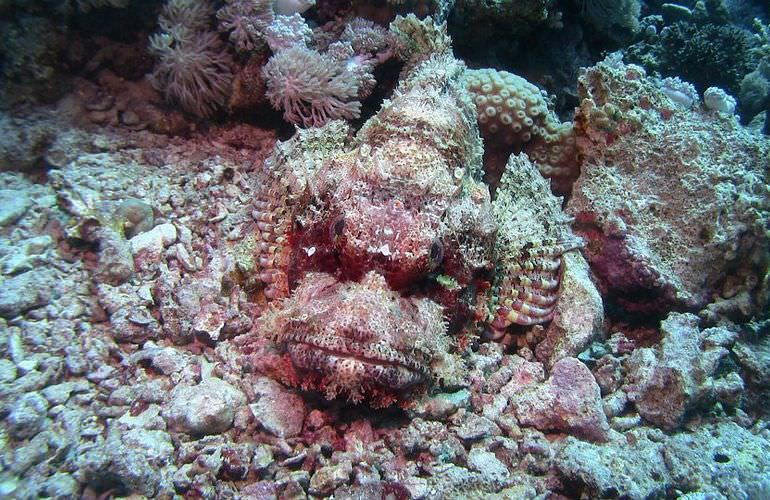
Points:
717	99
287	31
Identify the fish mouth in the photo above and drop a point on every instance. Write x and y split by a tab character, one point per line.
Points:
355	361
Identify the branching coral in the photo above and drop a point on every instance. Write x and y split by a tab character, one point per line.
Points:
193	69
704	55
311	88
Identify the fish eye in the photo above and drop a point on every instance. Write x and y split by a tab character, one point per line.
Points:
436	252
337	227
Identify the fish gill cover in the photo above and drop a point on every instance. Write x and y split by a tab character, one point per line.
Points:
280	249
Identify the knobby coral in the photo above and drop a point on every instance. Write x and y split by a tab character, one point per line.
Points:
513	117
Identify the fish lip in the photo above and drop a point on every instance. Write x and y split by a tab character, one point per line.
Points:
351	349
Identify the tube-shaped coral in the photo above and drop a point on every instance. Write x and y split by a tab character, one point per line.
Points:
311	88
246	21
194	72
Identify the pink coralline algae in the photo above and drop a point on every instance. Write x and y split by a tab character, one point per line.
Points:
380	256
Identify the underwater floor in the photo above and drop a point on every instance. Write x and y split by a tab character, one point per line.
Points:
433	287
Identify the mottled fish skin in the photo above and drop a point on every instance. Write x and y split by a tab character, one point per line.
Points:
376	257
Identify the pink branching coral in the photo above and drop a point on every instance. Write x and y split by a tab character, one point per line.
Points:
311	88
193	68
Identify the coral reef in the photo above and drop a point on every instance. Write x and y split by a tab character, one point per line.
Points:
238	308
706	56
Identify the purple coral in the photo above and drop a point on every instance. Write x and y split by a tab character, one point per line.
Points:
311	88
196	73
246	21
194	68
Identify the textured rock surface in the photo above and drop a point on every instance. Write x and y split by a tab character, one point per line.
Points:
26	291
673	231
278	410
208	408
666	382
719	460
13	204
569	401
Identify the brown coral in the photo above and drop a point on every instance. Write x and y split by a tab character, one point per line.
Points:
513	117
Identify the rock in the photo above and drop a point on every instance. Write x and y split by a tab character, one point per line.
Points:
667	381
486	463
326	479
61	485
569	401
26	291
723	460
150	244
262	490
718	461
155	444
116	263
30	454
207	408
148	419
261	459
440	406
128	468
166	360
579	314
13	204
752	352
655	242
26	255
7	371
57	394
634	469
433	437
279	411
27	416
475	427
